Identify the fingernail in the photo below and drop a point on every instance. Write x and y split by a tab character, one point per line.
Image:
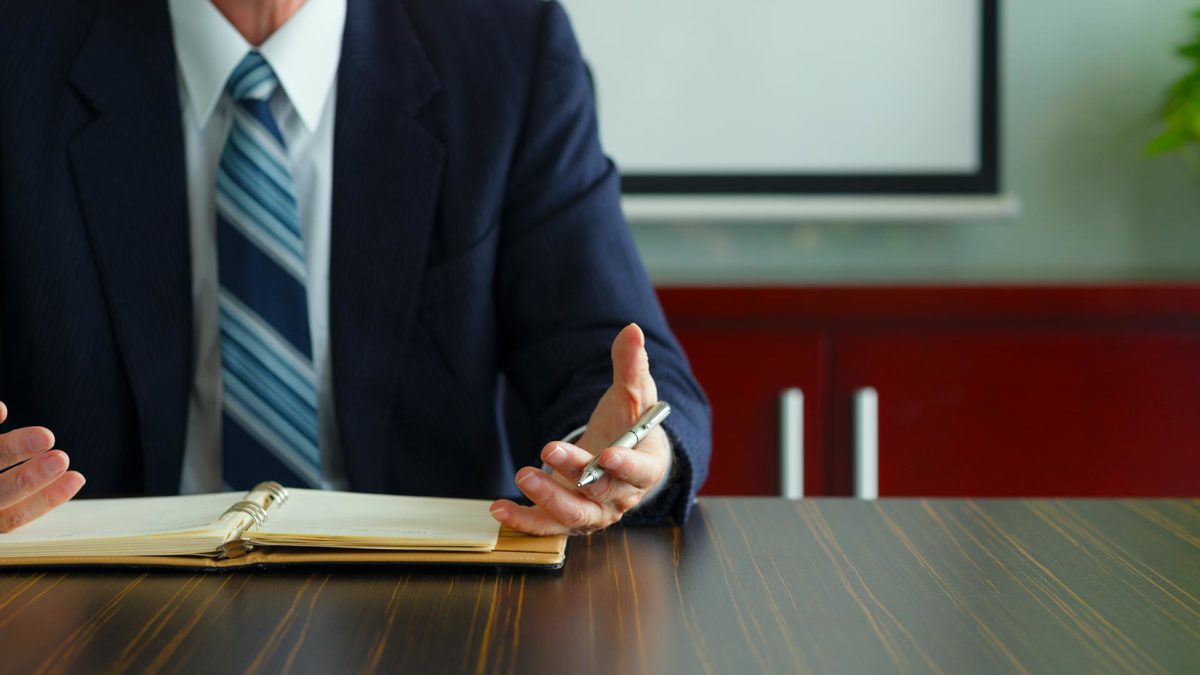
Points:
557	455
498	511
529	479
613	461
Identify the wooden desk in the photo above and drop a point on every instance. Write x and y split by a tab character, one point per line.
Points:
748	585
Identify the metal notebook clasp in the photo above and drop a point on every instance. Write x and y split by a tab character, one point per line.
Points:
257	513
276	492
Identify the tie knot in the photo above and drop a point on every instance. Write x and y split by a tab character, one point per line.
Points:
252	80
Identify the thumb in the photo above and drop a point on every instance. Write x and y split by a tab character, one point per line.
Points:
632	391
631	366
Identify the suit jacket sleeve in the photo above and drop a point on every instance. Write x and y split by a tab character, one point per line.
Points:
568	276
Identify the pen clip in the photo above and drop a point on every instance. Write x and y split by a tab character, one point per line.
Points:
650	419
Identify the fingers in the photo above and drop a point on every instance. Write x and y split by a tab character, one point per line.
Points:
566	505
567	459
28	490
20	444
624	467
639	469
21	482
49	497
527	519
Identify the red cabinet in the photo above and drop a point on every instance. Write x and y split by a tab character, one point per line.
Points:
745	373
984	391
1038	413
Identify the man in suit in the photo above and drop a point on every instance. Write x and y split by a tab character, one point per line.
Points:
327	242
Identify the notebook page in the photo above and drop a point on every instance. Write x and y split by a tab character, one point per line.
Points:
136	525
353	520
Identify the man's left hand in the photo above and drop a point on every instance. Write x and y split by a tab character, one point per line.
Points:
630	473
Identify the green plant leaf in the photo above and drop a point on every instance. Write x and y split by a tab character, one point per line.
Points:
1191	119
1180	108
1191	51
1187	85
1171	105
1179	94
1171	139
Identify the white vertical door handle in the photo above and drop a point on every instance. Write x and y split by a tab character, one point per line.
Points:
866	443
791	443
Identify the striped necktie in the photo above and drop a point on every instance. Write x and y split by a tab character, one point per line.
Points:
269	421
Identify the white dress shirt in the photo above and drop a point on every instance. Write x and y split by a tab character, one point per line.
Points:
304	54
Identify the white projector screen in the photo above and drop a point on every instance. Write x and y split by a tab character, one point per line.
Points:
795	96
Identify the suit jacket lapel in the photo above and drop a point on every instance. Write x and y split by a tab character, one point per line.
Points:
386	174
128	166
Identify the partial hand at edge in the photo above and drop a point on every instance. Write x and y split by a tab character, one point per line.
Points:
36	479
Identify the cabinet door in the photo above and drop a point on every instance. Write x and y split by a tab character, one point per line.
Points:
1104	413
744	372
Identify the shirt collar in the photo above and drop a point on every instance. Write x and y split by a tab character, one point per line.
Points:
304	54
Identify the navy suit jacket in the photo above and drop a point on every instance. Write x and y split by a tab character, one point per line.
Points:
477	247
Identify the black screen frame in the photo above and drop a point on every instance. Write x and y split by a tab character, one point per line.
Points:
983	181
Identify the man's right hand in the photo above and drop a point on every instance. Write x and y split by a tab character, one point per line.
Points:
39	484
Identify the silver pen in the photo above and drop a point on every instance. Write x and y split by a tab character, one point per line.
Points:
634	435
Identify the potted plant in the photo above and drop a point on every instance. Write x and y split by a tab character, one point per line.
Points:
1180	111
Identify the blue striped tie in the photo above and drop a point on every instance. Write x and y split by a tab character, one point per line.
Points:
269	429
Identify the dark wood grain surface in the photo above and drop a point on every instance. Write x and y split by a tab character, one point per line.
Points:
767	585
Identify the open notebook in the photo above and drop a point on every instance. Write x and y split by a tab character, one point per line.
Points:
272	525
